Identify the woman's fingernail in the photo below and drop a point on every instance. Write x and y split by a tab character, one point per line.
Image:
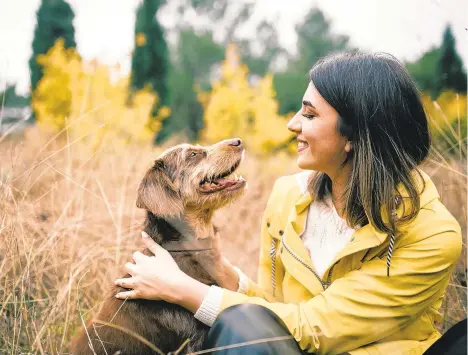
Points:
144	234
117	296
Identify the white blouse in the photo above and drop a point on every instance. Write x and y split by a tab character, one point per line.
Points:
325	234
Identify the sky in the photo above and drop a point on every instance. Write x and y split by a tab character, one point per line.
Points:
104	28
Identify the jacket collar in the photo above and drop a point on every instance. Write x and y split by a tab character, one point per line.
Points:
427	195
362	239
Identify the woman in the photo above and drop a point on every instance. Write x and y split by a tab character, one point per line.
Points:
356	252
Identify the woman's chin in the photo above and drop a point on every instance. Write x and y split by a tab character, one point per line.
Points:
305	163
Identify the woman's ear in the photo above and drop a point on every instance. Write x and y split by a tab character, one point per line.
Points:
348	147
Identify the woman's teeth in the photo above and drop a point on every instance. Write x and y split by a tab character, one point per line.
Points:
302	145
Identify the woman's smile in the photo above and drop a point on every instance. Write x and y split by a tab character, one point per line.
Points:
302	145
320	145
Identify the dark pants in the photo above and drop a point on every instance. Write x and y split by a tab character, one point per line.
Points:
266	334
250	323
452	342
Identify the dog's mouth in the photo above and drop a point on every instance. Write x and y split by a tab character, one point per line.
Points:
227	181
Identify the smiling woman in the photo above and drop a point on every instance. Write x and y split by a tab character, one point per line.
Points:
357	251
321	146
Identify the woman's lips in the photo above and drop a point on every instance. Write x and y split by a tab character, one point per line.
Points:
302	146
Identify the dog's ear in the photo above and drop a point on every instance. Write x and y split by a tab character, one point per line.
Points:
157	192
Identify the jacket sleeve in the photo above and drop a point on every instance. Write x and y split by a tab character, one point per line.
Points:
263	288
365	305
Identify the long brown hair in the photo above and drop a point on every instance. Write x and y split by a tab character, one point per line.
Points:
382	115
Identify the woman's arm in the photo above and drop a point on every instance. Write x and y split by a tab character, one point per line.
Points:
360	308
365	305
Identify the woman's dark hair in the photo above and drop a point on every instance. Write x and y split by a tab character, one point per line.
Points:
382	115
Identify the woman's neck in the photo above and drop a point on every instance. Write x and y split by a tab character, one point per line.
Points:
339	182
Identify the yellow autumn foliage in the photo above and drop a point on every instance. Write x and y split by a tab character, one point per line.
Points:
52	98
237	108
92	101
448	120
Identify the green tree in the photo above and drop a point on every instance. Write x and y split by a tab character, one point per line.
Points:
9	97
450	67
314	40
423	69
194	58
54	20
290	87
268	49
150	60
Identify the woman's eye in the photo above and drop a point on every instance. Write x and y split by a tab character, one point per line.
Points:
308	116
192	154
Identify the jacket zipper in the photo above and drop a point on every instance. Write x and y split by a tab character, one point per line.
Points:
298	258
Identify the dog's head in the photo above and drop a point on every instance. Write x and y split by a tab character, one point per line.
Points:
188	176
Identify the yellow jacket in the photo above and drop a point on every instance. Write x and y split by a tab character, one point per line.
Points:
356	307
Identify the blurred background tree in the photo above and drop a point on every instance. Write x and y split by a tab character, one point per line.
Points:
52	99
178	61
70	92
450	70
262	53
314	40
13	99
194	57
423	71
150	60
54	20
440	68
237	108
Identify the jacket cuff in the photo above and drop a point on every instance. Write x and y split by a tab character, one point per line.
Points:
243	281
209	309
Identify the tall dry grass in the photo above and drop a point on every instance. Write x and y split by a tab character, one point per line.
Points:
68	224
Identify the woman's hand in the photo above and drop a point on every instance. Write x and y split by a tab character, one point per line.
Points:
218	266
158	277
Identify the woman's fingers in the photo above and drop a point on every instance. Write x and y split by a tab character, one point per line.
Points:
127	282
127	295
151	244
137	256
130	268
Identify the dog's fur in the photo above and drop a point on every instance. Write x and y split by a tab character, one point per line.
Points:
180	206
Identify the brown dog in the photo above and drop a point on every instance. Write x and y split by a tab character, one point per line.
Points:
180	192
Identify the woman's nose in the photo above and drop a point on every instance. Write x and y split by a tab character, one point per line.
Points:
294	125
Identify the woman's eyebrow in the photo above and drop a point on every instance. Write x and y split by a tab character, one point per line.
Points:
308	103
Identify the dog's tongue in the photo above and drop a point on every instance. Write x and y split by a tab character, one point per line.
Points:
226	182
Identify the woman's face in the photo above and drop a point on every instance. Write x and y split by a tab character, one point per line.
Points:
320	146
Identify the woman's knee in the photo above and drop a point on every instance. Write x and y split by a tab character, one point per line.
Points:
245	323
247	315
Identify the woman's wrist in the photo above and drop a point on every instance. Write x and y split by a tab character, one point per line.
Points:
191	294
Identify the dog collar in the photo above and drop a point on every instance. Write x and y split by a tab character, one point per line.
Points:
188	250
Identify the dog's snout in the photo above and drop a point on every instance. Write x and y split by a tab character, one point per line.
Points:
236	142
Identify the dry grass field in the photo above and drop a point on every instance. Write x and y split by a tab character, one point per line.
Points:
68	224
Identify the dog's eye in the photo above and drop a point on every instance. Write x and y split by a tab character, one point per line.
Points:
192	154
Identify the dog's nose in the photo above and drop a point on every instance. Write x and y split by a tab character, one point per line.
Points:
236	142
